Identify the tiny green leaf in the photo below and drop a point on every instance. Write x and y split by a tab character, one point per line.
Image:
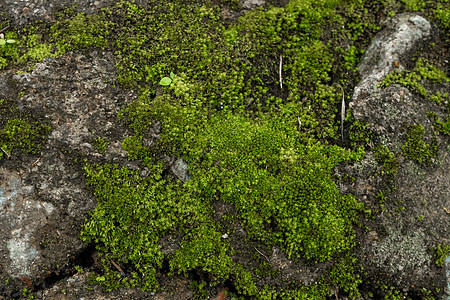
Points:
2	42
10	41
165	81
172	75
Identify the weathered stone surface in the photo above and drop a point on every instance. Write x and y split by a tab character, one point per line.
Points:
44	198
388	48
251	4
181	169
24	11
400	247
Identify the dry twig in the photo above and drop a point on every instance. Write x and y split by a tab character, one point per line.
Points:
4	29
281	64
262	255
117	267
342	115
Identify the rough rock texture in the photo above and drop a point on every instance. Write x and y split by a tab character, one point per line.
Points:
44	200
24	11
389	50
400	246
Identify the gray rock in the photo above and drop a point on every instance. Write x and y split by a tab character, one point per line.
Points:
251	4
400	245
447	274
388	48
43	198
21	215
181	169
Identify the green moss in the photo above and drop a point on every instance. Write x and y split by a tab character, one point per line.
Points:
442	14
199	290
81	31
100	144
424	72
37	50
388	160
442	251
20	133
415	5
439	125
312	291
394	295
265	269
137	211
416	148
345	275
360	135
244	145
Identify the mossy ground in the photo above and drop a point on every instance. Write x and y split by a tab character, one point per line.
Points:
21	131
264	147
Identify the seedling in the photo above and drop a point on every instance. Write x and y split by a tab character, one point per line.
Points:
4	42
167	80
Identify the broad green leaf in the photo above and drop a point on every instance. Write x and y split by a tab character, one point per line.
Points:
165	81
2	42
10	41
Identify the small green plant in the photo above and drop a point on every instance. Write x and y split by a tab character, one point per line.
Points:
27	294
8	49
165	81
4	41
199	291
79	269
441	253
420	218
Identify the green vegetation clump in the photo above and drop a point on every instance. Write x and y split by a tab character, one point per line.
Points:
267	155
8	51
416	148
66	34
423	72
19	133
441	253
359	133
439	125
388	160
100	144
442	14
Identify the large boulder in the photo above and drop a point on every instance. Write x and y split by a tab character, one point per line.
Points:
398	248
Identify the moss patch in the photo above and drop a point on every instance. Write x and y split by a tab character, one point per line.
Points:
264	150
388	160
440	126
441	253
416	148
424	73
20	131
